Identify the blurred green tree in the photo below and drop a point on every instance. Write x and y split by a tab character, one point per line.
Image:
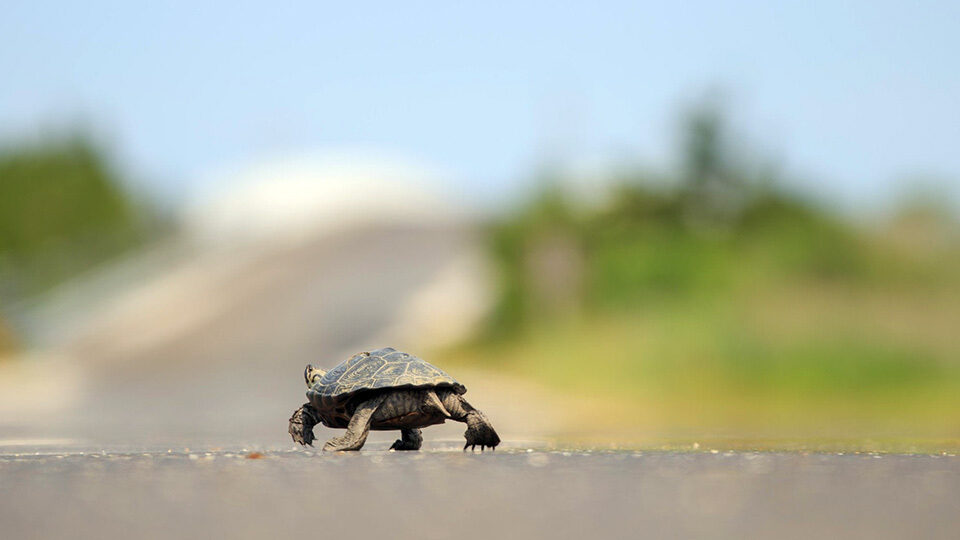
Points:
63	208
714	184
712	225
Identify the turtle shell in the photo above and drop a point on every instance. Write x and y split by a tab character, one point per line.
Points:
382	369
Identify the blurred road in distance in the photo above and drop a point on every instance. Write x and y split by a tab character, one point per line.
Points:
232	370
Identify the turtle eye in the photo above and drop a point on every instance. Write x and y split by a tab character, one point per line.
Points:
306	373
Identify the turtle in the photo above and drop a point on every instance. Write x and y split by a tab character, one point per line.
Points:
385	389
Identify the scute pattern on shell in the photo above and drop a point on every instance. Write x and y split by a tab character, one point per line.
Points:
381	369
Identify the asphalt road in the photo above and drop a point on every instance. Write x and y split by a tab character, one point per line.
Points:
182	433
445	493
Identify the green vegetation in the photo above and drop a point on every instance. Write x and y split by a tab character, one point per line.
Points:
63	209
719	304
7	342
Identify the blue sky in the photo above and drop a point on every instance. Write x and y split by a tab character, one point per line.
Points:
850	97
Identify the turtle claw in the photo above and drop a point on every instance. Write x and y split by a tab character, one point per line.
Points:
400	445
480	433
410	439
301	426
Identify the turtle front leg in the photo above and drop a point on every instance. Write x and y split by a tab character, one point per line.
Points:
479	430
301	424
410	439
357	429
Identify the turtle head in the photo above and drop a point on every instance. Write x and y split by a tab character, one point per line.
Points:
312	374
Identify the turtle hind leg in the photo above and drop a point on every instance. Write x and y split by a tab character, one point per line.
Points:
357	429
301	425
410	439
480	431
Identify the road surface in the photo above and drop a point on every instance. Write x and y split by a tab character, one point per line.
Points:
445	493
175	426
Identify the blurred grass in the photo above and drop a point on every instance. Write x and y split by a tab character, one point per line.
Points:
730	309
690	372
7	341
